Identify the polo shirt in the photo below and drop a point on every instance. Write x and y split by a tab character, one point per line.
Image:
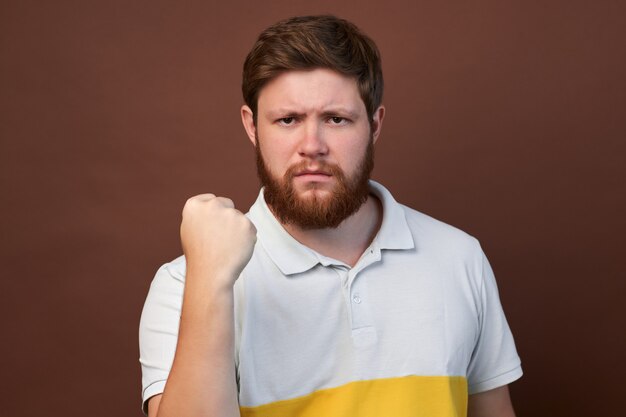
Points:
411	330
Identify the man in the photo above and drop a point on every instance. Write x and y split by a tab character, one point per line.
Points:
328	298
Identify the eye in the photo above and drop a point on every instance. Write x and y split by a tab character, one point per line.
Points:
286	120
337	120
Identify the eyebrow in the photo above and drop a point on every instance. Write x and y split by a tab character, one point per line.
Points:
331	111
273	114
340	111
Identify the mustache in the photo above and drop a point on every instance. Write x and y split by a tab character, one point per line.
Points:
320	167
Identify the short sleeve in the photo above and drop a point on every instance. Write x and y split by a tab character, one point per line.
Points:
494	361
158	328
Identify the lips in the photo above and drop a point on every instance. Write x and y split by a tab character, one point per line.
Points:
313	176
315	172
312	172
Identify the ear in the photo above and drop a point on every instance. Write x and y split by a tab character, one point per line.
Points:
247	118
377	122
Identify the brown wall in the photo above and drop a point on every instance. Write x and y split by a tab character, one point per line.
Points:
504	118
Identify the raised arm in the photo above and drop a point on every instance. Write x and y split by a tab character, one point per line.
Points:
218	242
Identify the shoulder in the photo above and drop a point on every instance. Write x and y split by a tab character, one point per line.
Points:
433	234
175	269
169	278
429	235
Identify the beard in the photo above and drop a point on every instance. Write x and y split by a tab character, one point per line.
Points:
316	212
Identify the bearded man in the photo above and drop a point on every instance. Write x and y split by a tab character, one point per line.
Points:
328	298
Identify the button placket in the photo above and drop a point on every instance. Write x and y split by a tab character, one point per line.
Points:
363	331
359	305
344	277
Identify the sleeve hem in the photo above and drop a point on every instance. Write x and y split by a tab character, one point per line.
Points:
498	381
152	390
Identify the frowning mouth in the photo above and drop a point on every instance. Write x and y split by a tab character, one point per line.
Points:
310	172
313	176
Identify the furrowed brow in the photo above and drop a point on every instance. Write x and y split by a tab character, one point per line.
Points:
274	114
341	112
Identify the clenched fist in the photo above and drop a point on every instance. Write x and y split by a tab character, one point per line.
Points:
217	239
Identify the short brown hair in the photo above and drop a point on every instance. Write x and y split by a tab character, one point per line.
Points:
308	42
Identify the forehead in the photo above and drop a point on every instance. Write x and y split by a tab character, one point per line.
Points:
316	89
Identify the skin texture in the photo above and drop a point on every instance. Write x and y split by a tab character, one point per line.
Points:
305	117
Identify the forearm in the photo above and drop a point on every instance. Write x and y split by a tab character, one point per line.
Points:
202	379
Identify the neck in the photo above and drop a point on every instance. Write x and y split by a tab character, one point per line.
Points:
350	239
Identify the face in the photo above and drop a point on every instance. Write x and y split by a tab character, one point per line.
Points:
314	145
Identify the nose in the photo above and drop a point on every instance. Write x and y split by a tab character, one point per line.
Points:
312	143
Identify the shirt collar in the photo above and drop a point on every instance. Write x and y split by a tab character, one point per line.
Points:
293	257
394	231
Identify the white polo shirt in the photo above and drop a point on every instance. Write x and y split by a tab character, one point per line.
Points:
412	329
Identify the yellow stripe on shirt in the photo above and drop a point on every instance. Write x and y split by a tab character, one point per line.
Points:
408	396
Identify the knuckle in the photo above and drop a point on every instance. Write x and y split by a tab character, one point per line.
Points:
226	202
200	198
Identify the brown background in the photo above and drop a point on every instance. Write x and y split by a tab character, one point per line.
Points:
506	119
